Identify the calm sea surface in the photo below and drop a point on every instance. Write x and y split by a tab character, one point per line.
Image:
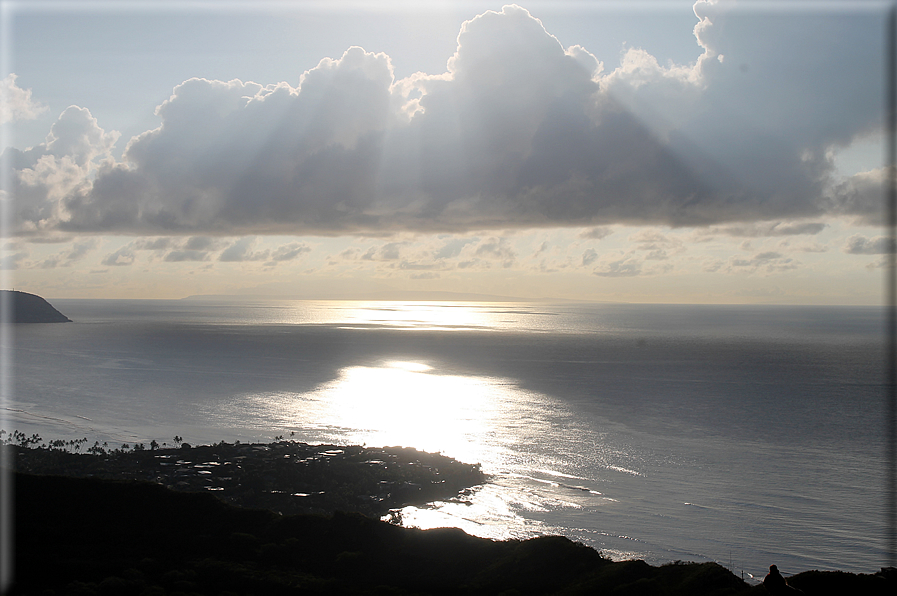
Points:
743	435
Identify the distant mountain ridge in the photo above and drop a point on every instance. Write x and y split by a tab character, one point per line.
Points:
31	308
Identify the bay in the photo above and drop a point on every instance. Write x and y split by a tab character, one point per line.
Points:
748	435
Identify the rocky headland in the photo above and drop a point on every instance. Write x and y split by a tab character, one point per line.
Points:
31	308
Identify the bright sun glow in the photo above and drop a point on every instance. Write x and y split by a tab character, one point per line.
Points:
420	315
409	404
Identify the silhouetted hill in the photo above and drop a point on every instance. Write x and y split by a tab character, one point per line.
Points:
30	308
86	536
94	536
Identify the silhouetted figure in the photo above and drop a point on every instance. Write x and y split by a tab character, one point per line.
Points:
775	584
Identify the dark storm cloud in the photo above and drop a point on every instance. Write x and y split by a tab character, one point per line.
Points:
518	133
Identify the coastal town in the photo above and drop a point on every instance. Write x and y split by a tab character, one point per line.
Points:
284	476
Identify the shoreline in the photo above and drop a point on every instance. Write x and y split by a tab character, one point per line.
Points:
284	476
289	517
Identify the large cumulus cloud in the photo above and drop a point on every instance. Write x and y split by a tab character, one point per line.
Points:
518	132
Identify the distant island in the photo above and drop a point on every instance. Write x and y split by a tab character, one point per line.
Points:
30	308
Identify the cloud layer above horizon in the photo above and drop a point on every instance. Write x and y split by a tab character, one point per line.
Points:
519	132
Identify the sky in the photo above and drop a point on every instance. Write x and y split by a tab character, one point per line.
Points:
662	152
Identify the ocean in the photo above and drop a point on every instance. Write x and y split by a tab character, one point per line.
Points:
745	435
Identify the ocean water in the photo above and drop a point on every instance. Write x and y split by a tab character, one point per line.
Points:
746	435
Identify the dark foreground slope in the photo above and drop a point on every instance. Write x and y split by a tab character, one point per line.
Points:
93	536
30	308
82	536
85	533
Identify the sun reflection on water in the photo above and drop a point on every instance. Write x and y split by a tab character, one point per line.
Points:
420	315
513	433
410	404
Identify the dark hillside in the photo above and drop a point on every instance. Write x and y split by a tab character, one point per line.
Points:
90	536
30	308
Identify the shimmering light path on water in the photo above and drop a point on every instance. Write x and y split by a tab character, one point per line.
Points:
660	432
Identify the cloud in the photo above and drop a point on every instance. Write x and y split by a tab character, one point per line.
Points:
154	243
241	251
623	267
68	257
194	248
421	266
814	247
200	243
496	249
290	251
659	246
712	266
122	257
589	257
598	233
390	251
81	248
519	132
16	103
880	263
862	195
768	261
453	247
48	175
766	229
860	245
177	256
9	262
